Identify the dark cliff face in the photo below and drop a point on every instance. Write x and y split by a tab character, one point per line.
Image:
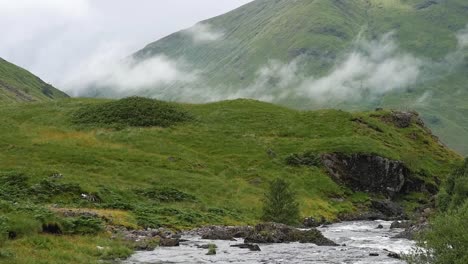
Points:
371	173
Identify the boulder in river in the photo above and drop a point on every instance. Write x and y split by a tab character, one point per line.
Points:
279	233
223	232
251	247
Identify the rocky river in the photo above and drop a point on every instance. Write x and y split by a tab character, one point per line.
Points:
360	242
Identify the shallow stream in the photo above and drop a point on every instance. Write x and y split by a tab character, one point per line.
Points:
358	240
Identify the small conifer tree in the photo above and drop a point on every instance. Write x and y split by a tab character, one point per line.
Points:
280	204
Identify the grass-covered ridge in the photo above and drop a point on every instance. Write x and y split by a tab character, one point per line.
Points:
211	169
19	85
320	33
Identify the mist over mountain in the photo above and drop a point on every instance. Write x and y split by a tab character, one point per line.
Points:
360	54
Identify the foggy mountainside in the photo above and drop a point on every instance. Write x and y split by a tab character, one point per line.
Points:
360	54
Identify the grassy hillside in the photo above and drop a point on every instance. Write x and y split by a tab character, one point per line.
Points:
319	35
211	167
19	85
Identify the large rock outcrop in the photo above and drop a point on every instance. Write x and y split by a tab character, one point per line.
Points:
279	233
367	172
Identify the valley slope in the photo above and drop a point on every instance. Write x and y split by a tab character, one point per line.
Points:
211	169
19	85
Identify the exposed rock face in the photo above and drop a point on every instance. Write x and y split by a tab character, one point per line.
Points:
367	173
388	209
279	233
379	209
403	119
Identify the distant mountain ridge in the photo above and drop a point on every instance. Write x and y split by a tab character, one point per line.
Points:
19	85
353	54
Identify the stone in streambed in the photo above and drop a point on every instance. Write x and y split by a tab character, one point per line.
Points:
280	233
251	247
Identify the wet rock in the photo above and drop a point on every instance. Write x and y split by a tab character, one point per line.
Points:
367	172
222	232
412	231
388	208
394	255
169	242
279	233
251	247
374	254
400	224
309	222
147	243
380	227
362	216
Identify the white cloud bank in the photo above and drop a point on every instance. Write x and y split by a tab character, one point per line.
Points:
371	69
118	77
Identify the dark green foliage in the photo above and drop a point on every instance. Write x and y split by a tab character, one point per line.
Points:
280	204
46	189
132	111
167	195
446	241
83	225
13	186
305	159
455	191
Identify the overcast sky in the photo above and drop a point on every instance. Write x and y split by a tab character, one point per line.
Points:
51	37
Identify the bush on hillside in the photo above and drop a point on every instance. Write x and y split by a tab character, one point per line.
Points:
305	159
280	204
132	111
446	241
455	191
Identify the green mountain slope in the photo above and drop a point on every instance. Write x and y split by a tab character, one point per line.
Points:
19	85
210	169
317	37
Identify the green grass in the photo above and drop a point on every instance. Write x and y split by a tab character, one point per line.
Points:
212	169
19	85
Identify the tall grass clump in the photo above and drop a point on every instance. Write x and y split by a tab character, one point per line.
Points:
131	111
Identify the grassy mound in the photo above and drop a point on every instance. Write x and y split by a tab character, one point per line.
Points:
132	111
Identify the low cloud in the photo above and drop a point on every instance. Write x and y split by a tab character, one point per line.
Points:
203	33
107	76
371	69
462	37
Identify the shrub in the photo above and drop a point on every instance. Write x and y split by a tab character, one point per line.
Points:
167	195
13	186
455	190
83	225
132	111
306	159
280	204
446	241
